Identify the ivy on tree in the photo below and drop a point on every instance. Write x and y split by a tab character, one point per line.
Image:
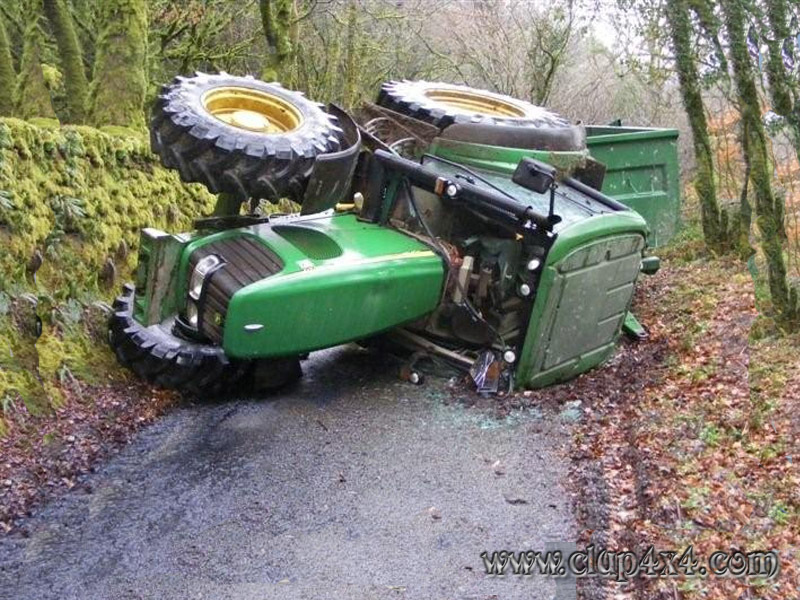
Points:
71	59
32	98
769	210
714	220
7	74
120	80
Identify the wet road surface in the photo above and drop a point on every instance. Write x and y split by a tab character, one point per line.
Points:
351	485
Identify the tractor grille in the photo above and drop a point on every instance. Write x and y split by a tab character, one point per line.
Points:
246	261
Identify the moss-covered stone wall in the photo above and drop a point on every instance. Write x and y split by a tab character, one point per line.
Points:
72	203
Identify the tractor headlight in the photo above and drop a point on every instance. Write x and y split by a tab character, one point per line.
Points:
191	313
203	268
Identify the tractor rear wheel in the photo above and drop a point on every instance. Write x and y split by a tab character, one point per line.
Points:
241	136
443	104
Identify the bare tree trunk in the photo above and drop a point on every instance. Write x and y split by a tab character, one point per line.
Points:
120	77
768	213
69	49
714	220
32	98
7	75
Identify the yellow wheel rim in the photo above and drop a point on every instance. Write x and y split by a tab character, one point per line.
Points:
475	103
252	110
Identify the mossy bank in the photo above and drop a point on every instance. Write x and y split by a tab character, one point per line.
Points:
72	203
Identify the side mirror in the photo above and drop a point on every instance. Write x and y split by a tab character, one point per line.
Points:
650	265
534	175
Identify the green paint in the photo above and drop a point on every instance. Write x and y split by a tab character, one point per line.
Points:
632	327
583	297
381	280
156	272
498	158
651	265
643	172
642	165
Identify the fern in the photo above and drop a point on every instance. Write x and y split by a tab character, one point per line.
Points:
68	210
6	202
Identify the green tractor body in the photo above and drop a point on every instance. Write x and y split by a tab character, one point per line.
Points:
338	280
470	252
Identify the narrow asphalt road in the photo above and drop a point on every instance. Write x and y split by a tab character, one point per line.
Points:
351	485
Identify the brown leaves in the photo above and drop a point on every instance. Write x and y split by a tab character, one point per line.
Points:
46	454
679	448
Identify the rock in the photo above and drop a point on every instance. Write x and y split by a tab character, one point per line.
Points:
122	250
35	262
572	411
498	468
108	273
514	497
434	513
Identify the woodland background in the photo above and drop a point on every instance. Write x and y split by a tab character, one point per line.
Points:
716	426
725	73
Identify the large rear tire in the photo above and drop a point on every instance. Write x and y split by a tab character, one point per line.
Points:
443	104
241	136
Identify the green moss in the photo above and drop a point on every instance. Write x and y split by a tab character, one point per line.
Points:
120	80
7	75
74	194
276	18
71	58
714	220
32	98
769	212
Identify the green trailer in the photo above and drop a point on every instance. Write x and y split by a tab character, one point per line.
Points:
506	260
643	172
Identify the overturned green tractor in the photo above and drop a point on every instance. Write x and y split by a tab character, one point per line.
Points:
453	222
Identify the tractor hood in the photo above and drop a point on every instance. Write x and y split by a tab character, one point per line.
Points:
302	283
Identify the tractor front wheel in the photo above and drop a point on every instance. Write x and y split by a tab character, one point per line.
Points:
160	357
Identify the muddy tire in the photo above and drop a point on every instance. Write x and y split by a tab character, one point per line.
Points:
241	136
445	104
157	356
